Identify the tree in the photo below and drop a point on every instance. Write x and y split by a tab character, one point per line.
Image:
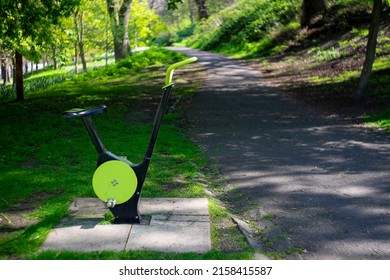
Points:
371	49
78	18
202	9
143	24
28	21
59	46
4	56
19	76
97	31
172	4
119	14
311	9
88	31
201	5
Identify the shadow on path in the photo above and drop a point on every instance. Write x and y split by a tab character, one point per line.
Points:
326	183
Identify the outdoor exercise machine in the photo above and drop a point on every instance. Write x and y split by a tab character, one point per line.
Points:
117	181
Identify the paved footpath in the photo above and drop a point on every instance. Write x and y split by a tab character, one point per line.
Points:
324	182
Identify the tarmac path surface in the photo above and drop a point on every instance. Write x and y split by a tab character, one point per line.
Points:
323	181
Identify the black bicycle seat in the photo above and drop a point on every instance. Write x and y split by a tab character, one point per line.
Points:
77	112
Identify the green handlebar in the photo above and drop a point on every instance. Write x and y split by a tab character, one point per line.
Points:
171	69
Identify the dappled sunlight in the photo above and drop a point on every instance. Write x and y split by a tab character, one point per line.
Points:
324	182
45	153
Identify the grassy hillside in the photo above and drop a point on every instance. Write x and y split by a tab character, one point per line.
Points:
319	65
245	27
259	28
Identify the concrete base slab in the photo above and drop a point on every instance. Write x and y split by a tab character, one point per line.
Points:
179	238
179	206
81	239
169	225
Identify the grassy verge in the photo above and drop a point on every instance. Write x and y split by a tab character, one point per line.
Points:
379	119
47	161
322	70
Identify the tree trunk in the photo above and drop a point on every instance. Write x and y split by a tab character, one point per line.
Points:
19	76
25	66
79	28
119	17
5	68
55	58
13	70
191	8
4	73
202	9
107	40
371	49
76	43
76	59
310	9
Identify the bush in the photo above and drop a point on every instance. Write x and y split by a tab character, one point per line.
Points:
46	81
138	61
186	31
165	38
7	92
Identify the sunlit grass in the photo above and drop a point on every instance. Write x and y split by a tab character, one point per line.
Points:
380	120
46	161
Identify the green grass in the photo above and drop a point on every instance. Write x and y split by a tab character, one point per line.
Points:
244	28
46	161
380	120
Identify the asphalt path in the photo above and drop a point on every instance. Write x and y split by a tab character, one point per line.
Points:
323	181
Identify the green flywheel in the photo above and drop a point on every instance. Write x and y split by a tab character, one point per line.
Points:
116	180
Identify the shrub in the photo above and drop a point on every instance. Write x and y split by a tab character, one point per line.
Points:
46	81
138	61
7	92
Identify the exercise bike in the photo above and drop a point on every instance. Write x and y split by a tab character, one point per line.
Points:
116	181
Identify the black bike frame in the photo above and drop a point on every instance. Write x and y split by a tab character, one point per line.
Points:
126	212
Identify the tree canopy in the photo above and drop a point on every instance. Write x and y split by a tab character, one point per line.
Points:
30	19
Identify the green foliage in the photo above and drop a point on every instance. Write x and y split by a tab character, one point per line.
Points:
35	83
97	36
320	54
381	120
46	164
7	92
144	24
172	4
186	31
20	20
351	2
45	82
137	61
140	255
245	22
251	28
